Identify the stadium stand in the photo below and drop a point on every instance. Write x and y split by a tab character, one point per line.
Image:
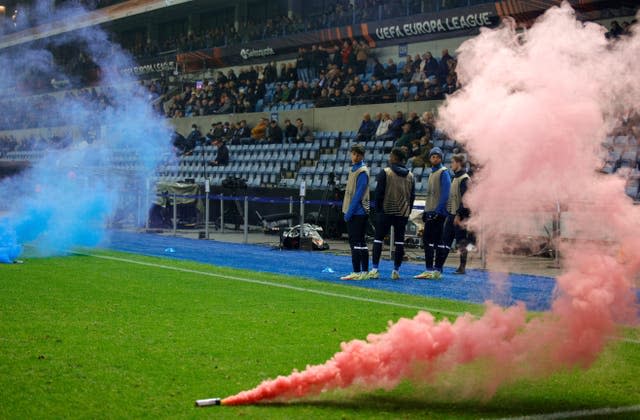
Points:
322	76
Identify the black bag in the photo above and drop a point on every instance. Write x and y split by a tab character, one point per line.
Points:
234	183
311	239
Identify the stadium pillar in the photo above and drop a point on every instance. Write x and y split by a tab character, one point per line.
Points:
147	200
246	219
175	214
290	210
222	213
206	210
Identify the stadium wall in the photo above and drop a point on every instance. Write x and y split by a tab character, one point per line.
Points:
317	119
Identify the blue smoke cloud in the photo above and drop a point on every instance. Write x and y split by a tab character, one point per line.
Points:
67	198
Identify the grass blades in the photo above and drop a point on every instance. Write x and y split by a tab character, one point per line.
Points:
87	337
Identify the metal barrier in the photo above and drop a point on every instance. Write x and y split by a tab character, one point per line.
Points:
481	243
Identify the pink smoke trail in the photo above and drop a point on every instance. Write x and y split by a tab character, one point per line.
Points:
533	111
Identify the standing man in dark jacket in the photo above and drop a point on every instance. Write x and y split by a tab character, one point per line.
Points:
395	194
222	156
435	213
453	225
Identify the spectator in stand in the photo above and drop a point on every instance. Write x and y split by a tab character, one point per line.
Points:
283	76
377	120
382	132
226	131
290	131
365	96
415	63
337	99
367	129
346	54
396	125
302	66
405	96
291	73
215	132
323	57
406	76
391	72
378	69
450	85
222	155
227	106
274	133
431	66
421	155
194	138
416	125
285	95
303	134
377	92
270	73
242	133
361	51
615	30
324	100
428	124
418	77
444	64
406	137
389	92
277	94
313	57
259	132
302	93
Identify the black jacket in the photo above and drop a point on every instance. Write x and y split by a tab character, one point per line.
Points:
222	157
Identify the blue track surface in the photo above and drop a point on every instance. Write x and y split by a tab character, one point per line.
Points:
535	291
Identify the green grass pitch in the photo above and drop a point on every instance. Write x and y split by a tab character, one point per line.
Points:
89	337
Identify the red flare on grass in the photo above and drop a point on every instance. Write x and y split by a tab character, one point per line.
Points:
532	113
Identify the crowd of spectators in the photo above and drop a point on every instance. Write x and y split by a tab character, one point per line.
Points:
412	133
617	30
337	13
322	77
264	132
53	110
9	143
28	14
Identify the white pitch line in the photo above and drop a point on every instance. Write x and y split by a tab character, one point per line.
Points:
580	413
268	283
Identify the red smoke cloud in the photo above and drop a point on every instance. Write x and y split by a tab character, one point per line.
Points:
533	112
